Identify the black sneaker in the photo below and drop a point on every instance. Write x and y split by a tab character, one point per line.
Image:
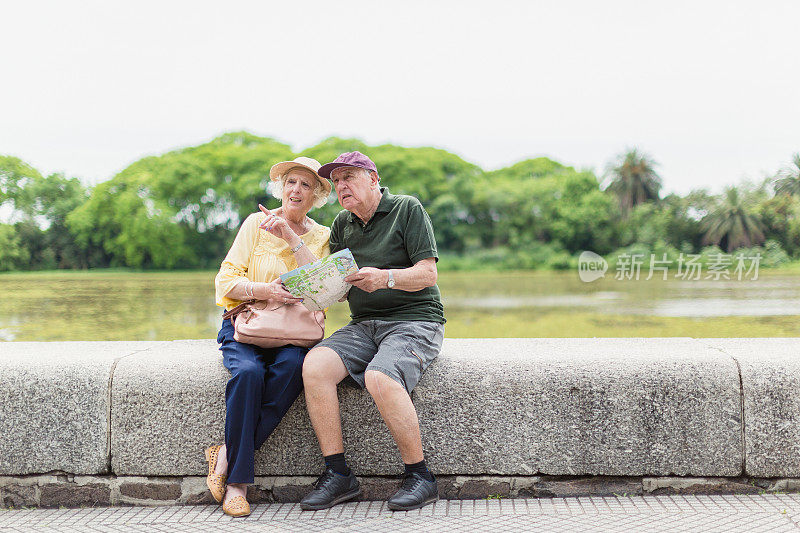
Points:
331	488
415	492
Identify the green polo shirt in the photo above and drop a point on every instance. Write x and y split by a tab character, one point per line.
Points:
397	236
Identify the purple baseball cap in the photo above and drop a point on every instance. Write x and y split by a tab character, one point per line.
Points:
348	159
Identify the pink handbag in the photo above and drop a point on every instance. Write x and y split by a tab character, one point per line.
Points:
269	324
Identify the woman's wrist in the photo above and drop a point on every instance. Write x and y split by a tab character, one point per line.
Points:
300	244
247	287
261	291
293	240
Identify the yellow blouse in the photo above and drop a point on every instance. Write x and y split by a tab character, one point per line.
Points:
257	255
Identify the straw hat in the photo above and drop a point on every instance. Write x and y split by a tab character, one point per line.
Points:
279	169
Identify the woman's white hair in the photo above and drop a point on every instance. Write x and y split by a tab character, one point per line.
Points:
276	187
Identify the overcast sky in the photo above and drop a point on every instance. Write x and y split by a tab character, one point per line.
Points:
710	89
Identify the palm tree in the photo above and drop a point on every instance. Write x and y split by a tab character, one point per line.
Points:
633	179
788	180
730	224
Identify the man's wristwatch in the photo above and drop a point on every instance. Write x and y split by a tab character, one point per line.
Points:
390	281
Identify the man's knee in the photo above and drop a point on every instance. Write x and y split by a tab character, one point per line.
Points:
378	383
319	366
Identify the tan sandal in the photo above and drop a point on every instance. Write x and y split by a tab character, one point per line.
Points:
236	507
215	482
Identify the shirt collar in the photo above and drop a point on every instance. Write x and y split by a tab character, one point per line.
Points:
384	206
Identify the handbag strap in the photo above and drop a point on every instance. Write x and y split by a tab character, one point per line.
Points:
241	308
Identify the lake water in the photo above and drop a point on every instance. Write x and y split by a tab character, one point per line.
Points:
180	305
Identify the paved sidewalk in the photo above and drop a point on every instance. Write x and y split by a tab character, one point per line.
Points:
746	513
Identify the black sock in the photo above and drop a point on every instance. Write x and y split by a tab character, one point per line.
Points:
337	462
420	468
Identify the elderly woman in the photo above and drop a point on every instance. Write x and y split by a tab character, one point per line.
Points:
264	381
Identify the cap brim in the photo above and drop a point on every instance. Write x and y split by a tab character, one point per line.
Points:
325	170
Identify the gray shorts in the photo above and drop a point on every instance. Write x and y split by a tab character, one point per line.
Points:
400	349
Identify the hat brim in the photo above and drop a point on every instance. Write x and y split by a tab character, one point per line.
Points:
325	170
279	169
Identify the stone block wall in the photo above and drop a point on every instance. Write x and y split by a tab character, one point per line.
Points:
127	422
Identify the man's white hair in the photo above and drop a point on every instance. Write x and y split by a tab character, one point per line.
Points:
276	187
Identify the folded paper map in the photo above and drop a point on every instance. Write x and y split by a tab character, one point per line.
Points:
321	284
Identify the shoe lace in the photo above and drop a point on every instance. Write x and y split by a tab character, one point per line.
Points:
324	478
410	482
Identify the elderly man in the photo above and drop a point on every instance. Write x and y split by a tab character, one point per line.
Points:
396	330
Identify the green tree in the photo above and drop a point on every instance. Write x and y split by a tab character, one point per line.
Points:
540	200
633	180
788	179
56	196
781	217
13	255
16	181
731	223
329	149
674	221
442	181
40	205
180	209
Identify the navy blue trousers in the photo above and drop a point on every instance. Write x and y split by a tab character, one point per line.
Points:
264	383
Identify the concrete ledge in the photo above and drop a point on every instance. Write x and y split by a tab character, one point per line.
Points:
601	412
770	371
499	407
54	403
161	425
582	406
169	405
